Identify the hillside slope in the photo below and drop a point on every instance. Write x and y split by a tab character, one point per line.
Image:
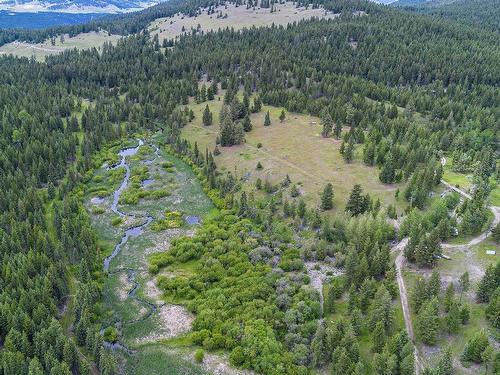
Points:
484	14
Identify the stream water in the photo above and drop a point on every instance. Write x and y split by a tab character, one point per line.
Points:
134	231
129	233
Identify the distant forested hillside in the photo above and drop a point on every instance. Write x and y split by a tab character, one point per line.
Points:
131	23
482	13
40	20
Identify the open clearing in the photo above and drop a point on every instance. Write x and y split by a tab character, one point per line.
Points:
294	147
237	18
464	181
41	50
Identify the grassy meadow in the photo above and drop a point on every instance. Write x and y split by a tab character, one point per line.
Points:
294	147
41	50
238	17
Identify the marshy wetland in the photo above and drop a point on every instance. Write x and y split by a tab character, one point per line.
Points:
140	199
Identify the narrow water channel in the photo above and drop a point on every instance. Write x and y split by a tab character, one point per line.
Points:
129	233
134	231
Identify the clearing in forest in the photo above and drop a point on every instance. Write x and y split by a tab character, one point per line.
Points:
236	17
294	147
41	50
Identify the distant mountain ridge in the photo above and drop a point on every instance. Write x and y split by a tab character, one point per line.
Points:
76	6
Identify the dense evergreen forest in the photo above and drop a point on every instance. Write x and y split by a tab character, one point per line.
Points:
479	13
416	86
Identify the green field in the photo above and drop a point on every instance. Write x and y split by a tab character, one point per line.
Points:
294	147
41	50
237	18
464	182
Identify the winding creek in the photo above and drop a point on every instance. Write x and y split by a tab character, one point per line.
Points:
131	298
134	231
129	233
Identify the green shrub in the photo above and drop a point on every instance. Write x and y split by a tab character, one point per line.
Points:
199	355
97	210
168	166
116	221
173	219
110	334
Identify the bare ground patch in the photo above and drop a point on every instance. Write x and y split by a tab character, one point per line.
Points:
124	287
174	320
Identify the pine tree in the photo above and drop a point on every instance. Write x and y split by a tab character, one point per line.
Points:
488	283
378	338
357	203
464	314
327	122
387	174
247	124
473	350
464	283
318	346
493	309
341	361
427	325
282	115
434	285
243	205
329	301
267	120
207	116
51	191
356	321
369	154
349	152
327	197
35	368
419	294
382	309
449	297
257	105
338	130
445	364
453	319
495	233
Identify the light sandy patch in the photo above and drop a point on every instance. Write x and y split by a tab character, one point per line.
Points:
163	244
174	320
124	287
152	291
97	201
319	273
237	18
219	365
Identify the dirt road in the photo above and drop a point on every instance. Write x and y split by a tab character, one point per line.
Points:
403	293
400	262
